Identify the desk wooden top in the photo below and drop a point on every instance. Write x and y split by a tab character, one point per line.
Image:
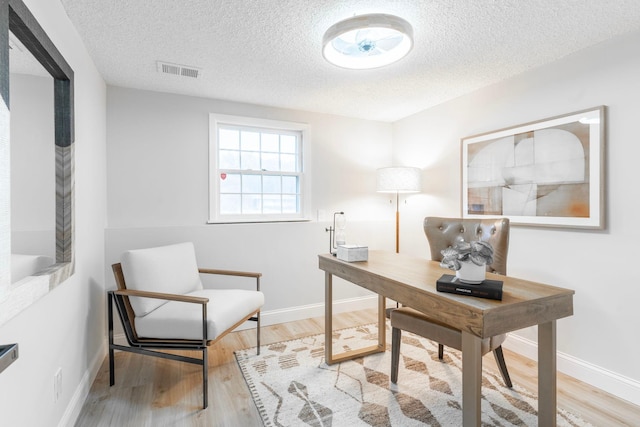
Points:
412	282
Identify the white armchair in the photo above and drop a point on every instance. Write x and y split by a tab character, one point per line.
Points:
163	305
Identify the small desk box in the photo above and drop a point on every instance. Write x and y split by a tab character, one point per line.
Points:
352	253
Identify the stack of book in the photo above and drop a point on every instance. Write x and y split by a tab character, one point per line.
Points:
491	289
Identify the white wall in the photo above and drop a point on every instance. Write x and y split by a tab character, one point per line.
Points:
66	327
600	342
158	193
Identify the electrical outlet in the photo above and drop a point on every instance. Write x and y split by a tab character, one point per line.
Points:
57	385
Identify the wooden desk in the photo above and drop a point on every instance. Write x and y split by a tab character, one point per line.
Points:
412	282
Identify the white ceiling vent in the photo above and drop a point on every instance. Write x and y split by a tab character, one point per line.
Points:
178	70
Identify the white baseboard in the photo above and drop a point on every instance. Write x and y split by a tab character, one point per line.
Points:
610	382
72	412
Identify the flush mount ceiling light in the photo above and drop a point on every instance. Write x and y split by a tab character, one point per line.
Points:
367	41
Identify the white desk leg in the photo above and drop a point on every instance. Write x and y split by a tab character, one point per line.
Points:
471	380
547	398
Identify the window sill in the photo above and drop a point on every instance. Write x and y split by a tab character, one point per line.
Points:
256	221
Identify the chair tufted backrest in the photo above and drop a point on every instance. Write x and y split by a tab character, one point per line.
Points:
445	232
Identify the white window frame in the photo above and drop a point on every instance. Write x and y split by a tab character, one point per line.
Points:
215	120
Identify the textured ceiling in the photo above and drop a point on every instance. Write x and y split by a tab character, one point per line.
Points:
268	52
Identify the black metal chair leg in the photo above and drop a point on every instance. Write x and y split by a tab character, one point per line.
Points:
502	366
396	335
205	377
112	373
258	334
440	351
112	376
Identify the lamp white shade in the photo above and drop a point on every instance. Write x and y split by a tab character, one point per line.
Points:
398	180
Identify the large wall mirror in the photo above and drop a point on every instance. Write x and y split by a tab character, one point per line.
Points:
36	162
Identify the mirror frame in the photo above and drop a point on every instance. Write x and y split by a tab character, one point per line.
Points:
15	17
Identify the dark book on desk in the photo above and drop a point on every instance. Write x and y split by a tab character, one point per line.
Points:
491	289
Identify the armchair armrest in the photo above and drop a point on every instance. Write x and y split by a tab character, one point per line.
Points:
229	272
159	295
256	276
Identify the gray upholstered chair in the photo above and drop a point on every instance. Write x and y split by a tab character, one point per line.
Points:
164	305
442	233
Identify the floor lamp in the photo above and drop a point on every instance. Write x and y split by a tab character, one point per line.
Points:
398	180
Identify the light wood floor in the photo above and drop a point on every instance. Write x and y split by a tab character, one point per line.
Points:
156	392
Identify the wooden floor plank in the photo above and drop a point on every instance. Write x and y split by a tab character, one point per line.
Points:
158	392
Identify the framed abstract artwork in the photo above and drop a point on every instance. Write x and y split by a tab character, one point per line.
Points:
544	173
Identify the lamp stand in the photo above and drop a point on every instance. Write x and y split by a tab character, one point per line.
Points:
397	180
397	222
397	238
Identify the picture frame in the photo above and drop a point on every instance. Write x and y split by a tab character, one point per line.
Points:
547	173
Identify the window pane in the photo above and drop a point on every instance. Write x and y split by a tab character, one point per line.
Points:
229	159
251	184
289	204
230	204
250	141
271	184
258	168
270	161
290	184
251	160
229	139
271	204
229	183
270	142
288	163
251	204
288	143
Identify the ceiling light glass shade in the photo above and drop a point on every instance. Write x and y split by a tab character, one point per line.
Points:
367	41
398	180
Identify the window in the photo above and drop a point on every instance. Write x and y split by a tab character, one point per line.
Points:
256	170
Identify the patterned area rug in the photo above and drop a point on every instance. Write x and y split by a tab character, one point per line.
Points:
292	386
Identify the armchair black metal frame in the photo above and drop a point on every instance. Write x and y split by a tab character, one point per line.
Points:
141	345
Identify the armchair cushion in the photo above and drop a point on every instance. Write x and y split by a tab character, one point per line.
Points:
166	269
181	320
